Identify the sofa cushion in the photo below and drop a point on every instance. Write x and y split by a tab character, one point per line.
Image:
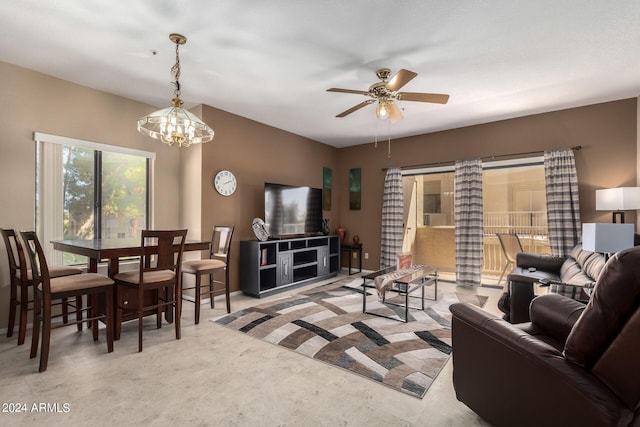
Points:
580	268
607	311
555	315
572	273
591	263
552	318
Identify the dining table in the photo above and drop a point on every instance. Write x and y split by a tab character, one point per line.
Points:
113	251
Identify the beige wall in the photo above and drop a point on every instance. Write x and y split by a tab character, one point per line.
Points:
256	153
182	179
607	133
184	194
36	102
32	102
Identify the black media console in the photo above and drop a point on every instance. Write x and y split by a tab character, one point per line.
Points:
274	265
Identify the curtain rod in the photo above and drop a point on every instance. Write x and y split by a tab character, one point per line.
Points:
497	156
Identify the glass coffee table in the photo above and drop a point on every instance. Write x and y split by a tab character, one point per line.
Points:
403	283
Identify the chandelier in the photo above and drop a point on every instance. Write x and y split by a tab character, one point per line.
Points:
175	125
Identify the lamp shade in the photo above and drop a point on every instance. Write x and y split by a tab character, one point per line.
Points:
618	199
607	238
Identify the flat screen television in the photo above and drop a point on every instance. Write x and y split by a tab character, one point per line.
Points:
292	210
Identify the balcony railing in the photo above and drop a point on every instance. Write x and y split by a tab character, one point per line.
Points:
493	257
530	226
436	245
529	223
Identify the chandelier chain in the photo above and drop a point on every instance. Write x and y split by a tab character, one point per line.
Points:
175	71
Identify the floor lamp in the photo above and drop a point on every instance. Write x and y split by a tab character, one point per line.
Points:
618	200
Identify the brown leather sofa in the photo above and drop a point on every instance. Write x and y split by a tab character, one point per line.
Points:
572	365
581	268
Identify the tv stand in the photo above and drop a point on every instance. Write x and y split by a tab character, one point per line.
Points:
275	265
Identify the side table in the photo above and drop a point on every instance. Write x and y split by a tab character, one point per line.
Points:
352	249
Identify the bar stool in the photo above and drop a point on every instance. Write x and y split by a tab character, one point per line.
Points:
219	256
159	272
20	279
46	289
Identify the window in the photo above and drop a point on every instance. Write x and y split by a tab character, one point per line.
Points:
87	190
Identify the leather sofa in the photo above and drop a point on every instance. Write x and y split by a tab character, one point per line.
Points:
581	268
571	365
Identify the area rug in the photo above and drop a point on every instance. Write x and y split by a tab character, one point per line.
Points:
326	323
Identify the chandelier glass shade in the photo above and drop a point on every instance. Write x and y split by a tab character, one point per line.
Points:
175	125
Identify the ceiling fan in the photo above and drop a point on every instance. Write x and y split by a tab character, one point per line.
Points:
386	91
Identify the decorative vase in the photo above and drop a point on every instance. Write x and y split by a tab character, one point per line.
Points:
356	239
341	232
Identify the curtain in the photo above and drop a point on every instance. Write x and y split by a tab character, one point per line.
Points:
563	207
468	222
392	218
50	220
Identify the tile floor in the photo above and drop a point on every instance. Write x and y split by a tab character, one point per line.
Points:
213	376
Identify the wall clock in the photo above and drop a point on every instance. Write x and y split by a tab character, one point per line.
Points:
225	183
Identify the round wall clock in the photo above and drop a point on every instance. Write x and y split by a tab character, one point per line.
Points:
225	183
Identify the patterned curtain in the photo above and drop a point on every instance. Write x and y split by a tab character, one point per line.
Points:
468	222
392	218
563	207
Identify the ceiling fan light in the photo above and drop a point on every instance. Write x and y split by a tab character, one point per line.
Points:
382	111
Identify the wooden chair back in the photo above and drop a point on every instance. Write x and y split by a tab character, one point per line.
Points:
221	242
168	256
11	244
37	260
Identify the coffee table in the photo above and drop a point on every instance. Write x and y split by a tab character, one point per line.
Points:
415	278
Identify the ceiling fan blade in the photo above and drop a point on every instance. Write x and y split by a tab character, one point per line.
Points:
436	98
358	92
394	112
356	108
401	78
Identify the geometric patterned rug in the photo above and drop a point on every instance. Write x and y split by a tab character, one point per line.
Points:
326	323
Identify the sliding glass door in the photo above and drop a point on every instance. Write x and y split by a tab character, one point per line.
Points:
514	202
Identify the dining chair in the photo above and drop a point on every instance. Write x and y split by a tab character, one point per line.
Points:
158	272
20	278
511	245
47	288
219	258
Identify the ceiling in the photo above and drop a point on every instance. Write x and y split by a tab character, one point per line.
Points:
272	61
